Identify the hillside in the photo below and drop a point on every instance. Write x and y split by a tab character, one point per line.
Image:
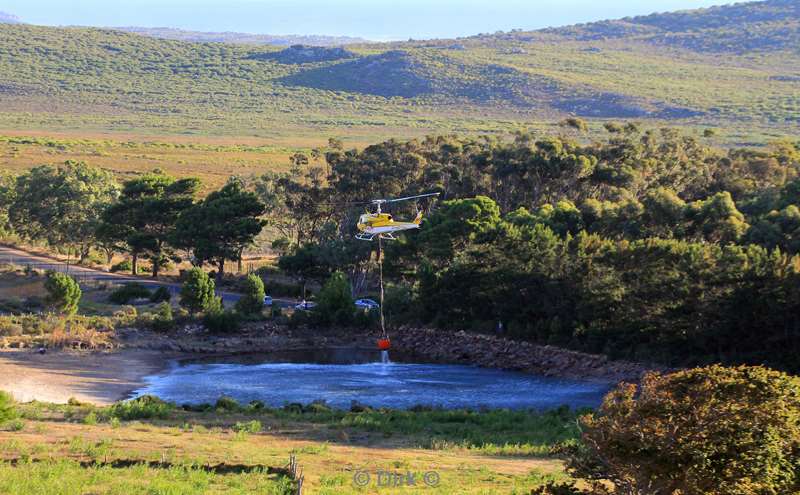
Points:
734	67
241	38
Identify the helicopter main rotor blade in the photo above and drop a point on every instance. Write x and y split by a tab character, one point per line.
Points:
405	199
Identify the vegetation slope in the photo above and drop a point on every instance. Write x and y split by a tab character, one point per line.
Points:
733	67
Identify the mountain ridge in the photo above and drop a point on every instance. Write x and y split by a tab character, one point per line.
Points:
646	69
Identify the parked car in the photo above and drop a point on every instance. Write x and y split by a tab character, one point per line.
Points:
267	300
367	304
305	306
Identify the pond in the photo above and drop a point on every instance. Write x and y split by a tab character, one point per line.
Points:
342	376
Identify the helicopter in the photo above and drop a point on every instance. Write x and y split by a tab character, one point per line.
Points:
383	225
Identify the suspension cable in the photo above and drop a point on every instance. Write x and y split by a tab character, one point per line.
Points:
380	272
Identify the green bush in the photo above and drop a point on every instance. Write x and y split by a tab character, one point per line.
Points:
226	403
63	293
122	266
8	409
253	426
335	302
197	293
252	300
144	407
163	320
277	289
222	321
714	430
129	292
162	294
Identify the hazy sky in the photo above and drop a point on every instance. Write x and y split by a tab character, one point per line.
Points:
373	19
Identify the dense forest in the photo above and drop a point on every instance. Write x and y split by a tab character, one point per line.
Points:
648	245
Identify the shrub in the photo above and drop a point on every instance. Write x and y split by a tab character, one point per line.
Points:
252	300
335	301
122	266
8	409
126	315
63	293
162	294
144	407
90	419
713	430
163	320
16	425
253	426
197	293
129	292
222	321
225	403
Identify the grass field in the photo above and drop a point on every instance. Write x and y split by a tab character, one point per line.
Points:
78	449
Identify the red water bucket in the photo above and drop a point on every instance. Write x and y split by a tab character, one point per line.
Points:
384	344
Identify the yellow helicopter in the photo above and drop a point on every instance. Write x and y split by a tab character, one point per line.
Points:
383	225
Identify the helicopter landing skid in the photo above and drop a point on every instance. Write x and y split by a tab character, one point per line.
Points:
368	237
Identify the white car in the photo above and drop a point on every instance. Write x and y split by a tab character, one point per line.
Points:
367	304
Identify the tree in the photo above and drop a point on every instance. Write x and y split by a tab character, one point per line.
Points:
304	264
717	219
335	301
221	226
63	293
62	205
144	218
197	293
714	430
7	193
252	300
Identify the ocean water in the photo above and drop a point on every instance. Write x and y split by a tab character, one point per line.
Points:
277	380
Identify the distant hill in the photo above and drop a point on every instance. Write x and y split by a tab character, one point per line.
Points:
6	18
735	67
305	54
242	38
739	28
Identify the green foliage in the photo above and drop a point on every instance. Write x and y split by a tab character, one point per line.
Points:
161	294
63	293
62	205
129	292
144	407
229	404
253	426
222	321
7	407
715	430
252	300
197	293
221	226
143	219
122	266
335	302
163	320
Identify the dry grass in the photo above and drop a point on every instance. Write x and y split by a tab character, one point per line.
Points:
329	455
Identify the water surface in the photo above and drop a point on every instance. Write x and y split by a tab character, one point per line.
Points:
340	377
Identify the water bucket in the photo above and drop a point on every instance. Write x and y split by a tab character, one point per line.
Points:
384	344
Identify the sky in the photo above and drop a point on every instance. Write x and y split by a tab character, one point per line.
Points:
380	20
